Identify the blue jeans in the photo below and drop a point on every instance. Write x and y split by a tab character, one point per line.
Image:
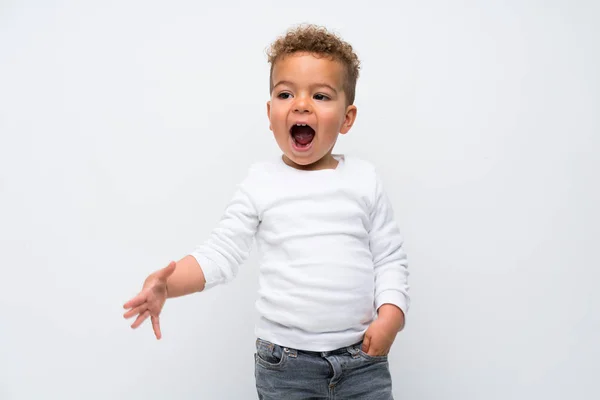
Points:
347	373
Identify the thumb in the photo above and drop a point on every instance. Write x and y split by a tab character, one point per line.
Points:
366	343
167	271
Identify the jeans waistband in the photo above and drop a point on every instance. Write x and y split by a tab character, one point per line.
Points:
352	349
342	350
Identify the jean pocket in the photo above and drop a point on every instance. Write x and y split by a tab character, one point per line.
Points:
373	358
369	357
269	355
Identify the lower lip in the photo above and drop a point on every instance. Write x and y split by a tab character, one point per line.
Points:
303	148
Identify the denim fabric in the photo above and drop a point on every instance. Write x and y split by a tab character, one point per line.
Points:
347	373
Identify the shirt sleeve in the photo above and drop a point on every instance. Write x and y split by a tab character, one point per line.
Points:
389	258
229	244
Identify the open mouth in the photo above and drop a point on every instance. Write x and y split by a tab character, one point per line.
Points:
303	135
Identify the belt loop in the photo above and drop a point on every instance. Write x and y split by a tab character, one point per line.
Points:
353	350
291	352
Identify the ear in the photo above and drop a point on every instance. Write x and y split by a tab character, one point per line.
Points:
269	114
349	119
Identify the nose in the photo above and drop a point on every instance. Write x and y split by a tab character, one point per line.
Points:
302	105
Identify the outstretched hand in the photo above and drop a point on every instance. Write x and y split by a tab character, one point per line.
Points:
151	299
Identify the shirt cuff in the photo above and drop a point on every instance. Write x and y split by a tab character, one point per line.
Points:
212	273
394	297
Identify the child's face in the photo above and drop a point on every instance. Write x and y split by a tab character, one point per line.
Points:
308	90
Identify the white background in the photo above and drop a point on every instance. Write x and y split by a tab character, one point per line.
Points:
125	127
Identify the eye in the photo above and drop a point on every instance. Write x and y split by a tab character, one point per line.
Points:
320	96
284	95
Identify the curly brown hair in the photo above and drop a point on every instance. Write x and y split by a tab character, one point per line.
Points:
316	39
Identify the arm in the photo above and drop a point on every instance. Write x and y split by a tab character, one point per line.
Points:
187	278
226	249
216	261
391	276
389	258
394	315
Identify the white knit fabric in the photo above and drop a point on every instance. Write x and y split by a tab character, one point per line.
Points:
331	252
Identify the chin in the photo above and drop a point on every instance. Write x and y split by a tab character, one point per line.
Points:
307	162
300	160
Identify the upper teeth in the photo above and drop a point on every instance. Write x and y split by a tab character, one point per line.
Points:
300	124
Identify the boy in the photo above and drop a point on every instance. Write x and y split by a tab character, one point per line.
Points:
333	274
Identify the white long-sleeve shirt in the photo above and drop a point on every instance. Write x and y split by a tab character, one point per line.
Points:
331	252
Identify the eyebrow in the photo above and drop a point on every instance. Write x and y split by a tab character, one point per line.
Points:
288	83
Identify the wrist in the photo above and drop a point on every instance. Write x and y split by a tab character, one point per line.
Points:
393	314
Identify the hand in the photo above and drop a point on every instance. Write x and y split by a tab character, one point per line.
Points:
150	301
381	333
